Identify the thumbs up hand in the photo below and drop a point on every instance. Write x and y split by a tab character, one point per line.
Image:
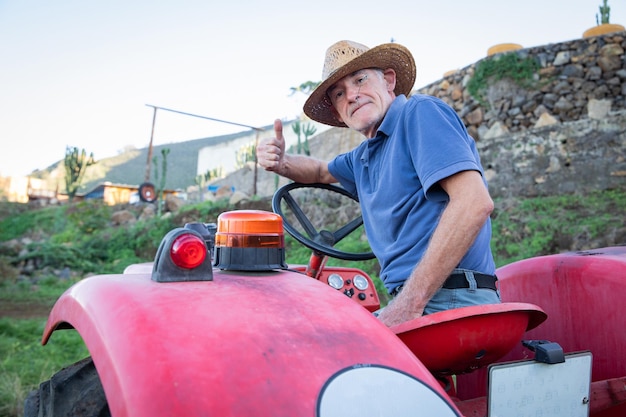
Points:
271	151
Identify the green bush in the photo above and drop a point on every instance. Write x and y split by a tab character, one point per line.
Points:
88	217
546	225
498	67
48	220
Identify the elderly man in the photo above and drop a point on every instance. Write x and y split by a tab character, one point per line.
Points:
417	175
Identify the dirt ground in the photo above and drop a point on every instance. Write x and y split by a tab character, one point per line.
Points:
24	310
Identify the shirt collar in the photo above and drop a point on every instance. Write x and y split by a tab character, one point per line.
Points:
392	115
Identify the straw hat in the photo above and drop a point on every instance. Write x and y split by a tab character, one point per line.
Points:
344	58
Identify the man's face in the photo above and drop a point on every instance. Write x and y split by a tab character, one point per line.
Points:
361	99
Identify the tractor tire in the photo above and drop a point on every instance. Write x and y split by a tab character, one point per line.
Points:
147	192
73	391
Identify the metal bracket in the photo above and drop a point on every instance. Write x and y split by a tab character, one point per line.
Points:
545	351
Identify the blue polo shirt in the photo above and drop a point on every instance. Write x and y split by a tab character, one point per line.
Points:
395	175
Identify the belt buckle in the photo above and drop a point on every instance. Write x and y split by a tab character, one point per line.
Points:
396	290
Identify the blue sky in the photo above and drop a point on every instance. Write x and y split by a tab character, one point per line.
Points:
80	73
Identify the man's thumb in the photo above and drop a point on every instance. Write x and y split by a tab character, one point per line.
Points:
278	129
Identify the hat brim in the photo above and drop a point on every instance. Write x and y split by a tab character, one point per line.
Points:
389	55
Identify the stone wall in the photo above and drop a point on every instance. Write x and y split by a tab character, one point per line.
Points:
577	79
563	158
571	157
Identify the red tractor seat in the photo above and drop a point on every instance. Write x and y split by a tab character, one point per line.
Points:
464	339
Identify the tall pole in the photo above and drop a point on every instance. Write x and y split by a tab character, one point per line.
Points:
256	144
147	177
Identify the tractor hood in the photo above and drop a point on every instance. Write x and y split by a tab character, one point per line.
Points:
247	344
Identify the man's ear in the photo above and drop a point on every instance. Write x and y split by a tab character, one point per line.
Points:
390	77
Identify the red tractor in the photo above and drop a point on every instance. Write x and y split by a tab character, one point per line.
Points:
220	325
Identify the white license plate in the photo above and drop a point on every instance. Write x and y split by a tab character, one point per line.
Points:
530	388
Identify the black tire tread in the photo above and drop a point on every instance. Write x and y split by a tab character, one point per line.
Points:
73	391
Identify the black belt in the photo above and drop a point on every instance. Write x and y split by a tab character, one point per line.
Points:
458	280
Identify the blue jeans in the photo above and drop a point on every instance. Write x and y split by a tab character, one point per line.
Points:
446	299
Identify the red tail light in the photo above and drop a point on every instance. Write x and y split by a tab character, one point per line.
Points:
188	251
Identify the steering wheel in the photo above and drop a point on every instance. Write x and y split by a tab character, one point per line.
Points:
320	241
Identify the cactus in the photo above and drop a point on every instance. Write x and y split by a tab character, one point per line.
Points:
245	154
76	163
605	13
308	130
202	179
161	183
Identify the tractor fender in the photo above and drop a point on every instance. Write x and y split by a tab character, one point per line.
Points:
227	346
583	295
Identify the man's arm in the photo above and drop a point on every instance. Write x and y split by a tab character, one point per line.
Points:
467	211
300	168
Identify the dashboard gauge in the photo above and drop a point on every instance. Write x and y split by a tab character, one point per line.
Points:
360	282
335	281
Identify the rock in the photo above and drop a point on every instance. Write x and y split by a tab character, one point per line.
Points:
238	196
609	63
546	119
456	93
598	109
224	192
611	49
573	70
549	100
594	73
123	217
173	203
563	105
562	58
475	117
498	129
148	212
